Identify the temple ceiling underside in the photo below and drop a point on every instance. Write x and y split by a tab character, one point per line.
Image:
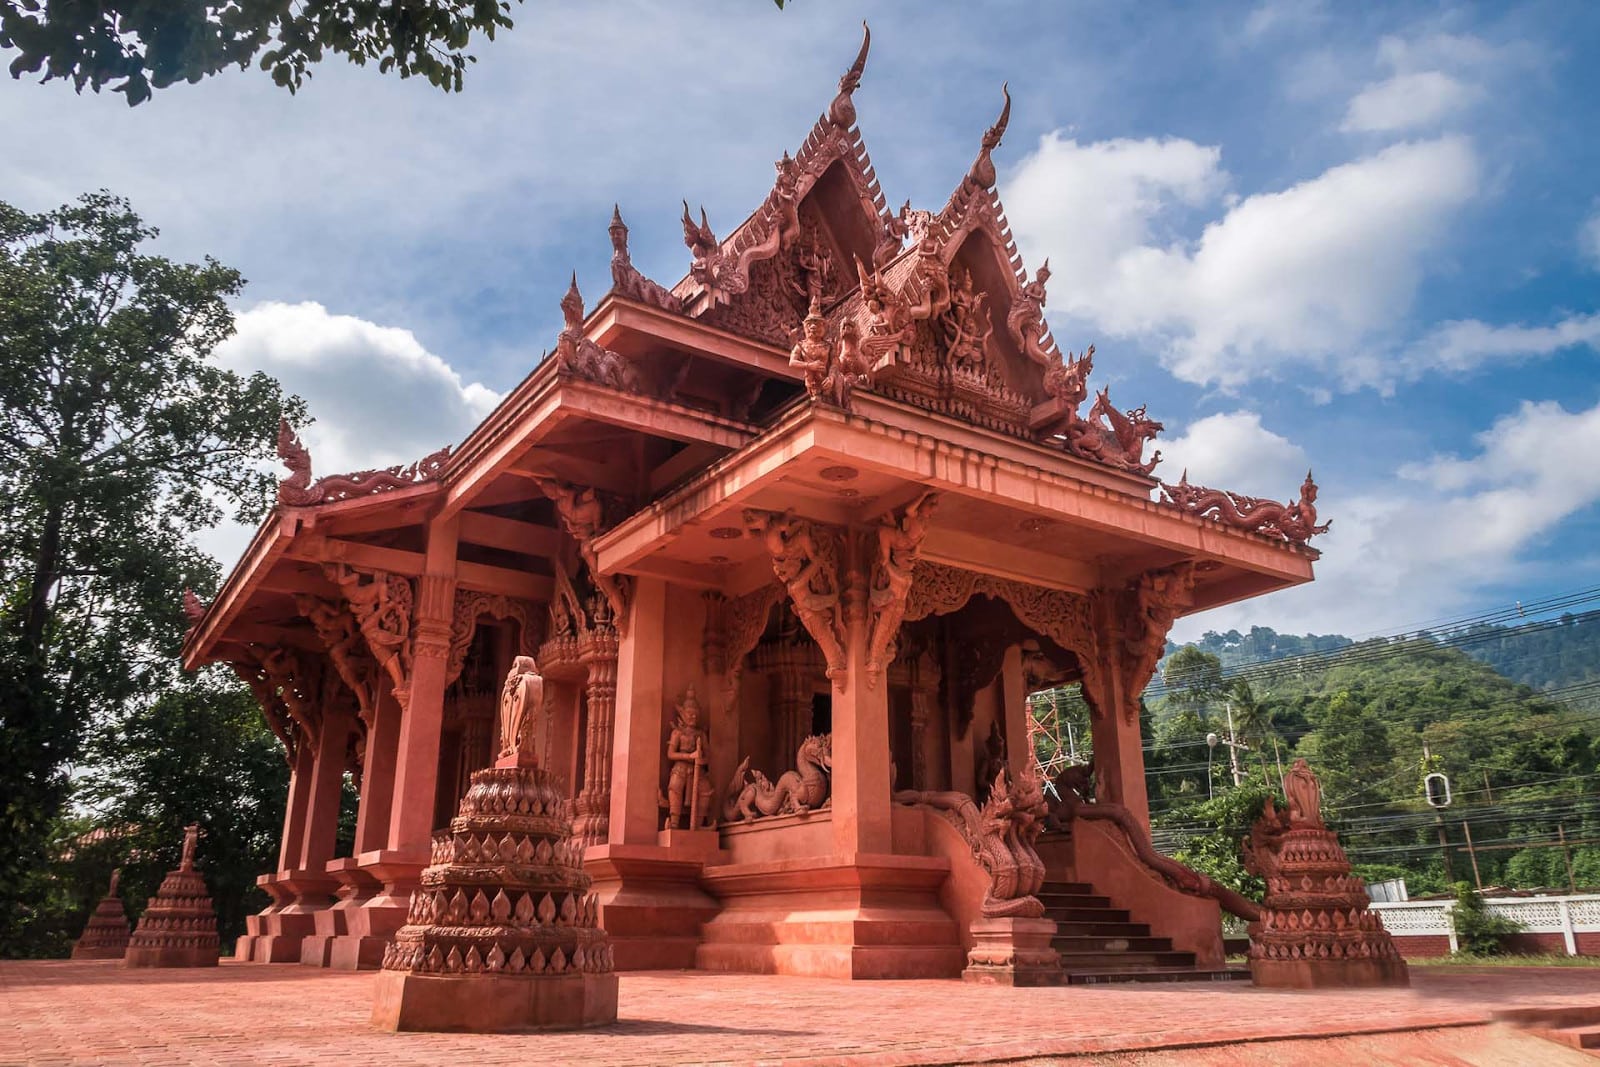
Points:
828	361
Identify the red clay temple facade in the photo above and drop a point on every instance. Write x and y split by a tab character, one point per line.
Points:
786	547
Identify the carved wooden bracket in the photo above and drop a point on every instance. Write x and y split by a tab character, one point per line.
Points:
346	649
807	559
583	513
733	628
1146	612
899	542
273	710
384	606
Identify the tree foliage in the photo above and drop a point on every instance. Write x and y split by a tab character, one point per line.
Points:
119	437
143	45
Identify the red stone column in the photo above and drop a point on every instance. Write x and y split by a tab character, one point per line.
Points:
1014	709
861	793
416	778
635	753
1118	750
294	812
597	649
377	775
356	936
322	802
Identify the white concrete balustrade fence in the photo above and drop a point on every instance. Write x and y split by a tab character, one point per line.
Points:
1568	916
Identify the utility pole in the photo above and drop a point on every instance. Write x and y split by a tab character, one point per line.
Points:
1436	789
1477	880
1566	854
1488	793
1233	749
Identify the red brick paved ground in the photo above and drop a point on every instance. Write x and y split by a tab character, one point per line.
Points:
61	1012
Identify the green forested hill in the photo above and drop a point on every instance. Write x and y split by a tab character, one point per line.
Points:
1506	712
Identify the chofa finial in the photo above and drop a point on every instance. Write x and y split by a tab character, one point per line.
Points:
982	173
842	112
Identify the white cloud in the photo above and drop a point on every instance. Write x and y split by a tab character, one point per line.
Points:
1407	102
1589	239
1234	451
1468	344
1448	530
378	397
1301	276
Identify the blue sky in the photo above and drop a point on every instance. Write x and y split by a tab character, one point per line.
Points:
1364	238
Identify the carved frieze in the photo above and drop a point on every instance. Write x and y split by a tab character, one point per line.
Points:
472	605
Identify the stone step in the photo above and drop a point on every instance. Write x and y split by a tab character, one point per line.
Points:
1073	962
1087	915
1550	1018
1095	928
1077	888
1160	974
1074	900
1072	944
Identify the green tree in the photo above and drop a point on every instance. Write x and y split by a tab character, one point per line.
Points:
144	45
119	437
1193	680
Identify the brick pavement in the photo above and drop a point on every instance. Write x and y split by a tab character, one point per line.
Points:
72	1012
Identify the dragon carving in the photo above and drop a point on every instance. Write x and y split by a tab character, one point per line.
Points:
298	490
1295	521
1113	437
578	355
1002	834
752	795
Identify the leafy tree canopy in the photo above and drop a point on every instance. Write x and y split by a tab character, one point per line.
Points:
119	436
143	45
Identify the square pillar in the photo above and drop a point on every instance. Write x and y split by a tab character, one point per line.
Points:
294	812
327	782
636	751
1014	712
377	774
861	753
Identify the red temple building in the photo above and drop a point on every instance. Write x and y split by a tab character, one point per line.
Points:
787	546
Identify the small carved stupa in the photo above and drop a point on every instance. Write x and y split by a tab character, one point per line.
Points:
503	933
179	926
1315	928
106	936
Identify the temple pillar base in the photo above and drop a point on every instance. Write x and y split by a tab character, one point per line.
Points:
854	917
1329	974
651	904
305	893
373	925
1014	952
493	1003
356	887
244	949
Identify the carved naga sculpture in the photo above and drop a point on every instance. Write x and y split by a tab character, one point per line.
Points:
625	277
1001	834
751	795
297	490
1295	521
577	355
1118	440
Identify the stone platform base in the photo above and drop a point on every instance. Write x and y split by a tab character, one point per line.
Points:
99	952
651	905
485	1003
1329	974
867	916
170	957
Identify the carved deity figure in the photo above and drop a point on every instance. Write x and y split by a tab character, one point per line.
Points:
848	371
193	609
967	325
521	702
807	565
889	324
383	608
1304	794
191	838
899	544
933	281
812	353
689	779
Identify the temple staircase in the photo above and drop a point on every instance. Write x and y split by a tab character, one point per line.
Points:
1098	943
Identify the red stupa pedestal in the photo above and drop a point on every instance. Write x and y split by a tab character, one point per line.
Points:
502	932
106	936
179	927
1315	929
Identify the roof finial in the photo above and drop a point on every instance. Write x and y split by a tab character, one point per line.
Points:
572	305
982	172
842	112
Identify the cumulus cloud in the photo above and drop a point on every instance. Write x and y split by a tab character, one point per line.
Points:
1235	451
1299	276
1407	102
1468	344
1446	531
378	397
